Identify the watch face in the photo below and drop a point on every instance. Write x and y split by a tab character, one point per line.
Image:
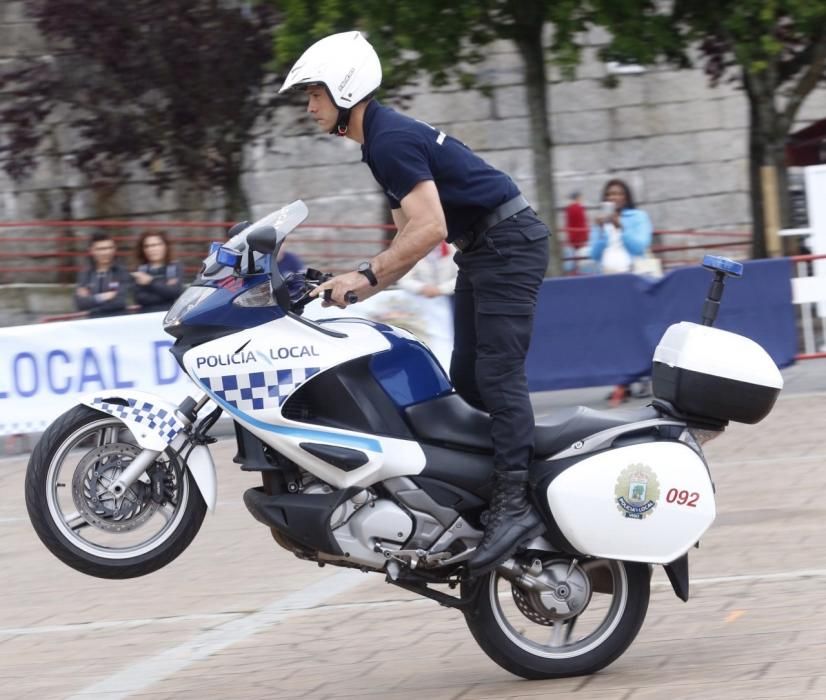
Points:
367	270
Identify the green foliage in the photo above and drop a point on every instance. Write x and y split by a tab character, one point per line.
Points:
430	37
757	36
439	39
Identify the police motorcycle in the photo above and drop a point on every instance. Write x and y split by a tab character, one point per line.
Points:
369	459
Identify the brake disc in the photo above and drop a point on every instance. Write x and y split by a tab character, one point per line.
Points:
93	475
567	592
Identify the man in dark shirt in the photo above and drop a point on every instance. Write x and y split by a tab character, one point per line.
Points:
438	189
101	288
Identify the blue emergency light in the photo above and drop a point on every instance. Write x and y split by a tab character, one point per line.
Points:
729	267
227	257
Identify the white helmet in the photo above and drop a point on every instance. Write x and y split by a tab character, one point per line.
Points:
346	64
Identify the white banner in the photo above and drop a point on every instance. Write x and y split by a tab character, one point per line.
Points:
45	369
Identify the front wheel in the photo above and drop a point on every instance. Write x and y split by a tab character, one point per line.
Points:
85	525
583	616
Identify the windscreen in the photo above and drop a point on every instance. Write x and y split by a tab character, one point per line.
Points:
283	220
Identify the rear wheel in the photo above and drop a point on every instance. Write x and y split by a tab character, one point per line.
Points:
86	526
583	616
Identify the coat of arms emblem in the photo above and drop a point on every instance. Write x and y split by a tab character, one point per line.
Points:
637	491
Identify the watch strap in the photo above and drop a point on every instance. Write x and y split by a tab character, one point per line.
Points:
367	270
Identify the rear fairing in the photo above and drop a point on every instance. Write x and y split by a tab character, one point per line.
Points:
648	502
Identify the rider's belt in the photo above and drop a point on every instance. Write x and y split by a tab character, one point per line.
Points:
477	229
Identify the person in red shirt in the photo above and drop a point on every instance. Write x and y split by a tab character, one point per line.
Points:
576	222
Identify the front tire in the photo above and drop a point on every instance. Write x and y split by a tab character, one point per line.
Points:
531	637
87	528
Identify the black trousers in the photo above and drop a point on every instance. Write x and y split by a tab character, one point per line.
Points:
496	291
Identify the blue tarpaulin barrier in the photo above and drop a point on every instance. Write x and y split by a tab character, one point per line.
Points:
602	329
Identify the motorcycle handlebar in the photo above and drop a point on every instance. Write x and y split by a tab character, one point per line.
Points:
349	297
310	280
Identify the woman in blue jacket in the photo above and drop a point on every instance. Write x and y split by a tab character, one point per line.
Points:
622	232
619	236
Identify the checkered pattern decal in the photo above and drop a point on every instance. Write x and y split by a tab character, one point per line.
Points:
162	421
257	390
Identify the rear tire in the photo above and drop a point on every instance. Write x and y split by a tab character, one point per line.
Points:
507	640
71	439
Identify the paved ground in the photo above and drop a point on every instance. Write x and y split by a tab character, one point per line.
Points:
236	617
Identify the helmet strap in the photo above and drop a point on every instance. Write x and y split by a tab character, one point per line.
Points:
342	123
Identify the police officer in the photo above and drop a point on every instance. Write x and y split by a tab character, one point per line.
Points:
439	189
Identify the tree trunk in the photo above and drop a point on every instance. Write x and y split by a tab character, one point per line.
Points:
758	241
70	236
768	131
528	38
767	137
768	140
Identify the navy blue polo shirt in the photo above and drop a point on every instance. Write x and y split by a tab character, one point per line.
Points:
402	152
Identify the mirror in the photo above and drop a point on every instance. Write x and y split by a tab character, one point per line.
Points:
263	239
237	228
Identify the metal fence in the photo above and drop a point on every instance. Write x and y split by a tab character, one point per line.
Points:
54	251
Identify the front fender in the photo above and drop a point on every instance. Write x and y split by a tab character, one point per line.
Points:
154	423
152	420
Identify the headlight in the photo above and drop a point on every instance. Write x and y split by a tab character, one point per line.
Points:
186	302
259	295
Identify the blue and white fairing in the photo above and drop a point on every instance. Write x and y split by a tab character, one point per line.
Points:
251	374
252	371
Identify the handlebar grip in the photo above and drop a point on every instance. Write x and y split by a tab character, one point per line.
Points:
351	297
328	295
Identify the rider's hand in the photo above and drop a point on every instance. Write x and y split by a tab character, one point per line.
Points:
340	285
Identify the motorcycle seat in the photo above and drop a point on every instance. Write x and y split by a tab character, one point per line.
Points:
450	421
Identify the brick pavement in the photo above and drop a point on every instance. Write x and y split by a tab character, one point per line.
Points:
759	636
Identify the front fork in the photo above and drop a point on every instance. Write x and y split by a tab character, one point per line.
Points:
186	412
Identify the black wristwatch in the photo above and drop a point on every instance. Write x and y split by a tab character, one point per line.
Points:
367	270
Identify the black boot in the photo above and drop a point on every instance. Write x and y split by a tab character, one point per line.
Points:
511	519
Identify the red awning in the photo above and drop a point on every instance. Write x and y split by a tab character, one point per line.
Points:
807	146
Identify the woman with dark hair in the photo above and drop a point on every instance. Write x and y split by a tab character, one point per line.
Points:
622	232
158	278
621	236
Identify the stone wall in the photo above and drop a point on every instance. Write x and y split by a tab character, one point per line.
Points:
680	144
21	304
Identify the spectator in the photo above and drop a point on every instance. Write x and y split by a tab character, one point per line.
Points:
621	234
432	281
101	288
576	222
576	227
158	279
